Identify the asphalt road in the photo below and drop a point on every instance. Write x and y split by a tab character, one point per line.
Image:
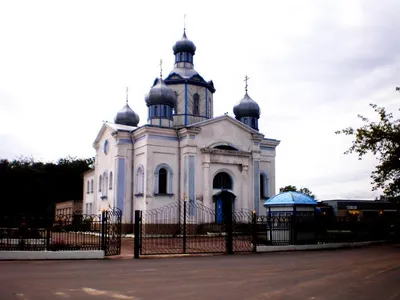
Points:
368	273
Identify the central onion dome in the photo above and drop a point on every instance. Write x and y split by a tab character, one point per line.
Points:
126	116
160	93
184	45
247	107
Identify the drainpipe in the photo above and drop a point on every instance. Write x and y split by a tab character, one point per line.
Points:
179	174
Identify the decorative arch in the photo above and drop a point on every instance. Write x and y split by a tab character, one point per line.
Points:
264	185
140	180
223	179
163	179
221	145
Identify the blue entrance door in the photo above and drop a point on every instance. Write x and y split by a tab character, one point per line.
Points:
218	210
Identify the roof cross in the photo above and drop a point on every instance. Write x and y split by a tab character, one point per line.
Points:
127	90
246	78
161	68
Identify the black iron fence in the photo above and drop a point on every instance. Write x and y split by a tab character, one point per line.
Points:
291	230
189	228
66	232
180	228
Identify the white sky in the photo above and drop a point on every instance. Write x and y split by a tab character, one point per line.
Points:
313	66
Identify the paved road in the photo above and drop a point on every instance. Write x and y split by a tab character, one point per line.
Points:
369	273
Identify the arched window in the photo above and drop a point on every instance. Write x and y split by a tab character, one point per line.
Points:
253	123
196	103
110	184
163	179
155	111
88	187
245	121
140	180
164	111
100	182
91	186
264	185
222	181
105	182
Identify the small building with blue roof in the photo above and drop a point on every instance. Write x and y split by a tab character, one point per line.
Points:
290	204
289	215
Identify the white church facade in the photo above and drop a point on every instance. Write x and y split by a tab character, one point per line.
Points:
183	152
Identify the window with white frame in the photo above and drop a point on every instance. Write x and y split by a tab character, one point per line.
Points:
87	187
163	179
100	182
91	186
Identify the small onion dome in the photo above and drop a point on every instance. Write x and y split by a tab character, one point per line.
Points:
290	199
247	107
184	45
126	116
160	93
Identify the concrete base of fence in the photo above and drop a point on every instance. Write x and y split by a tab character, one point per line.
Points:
57	255
314	246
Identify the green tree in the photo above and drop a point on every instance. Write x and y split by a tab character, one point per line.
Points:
30	186
292	188
382	139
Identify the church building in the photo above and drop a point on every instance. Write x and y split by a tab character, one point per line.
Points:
183	151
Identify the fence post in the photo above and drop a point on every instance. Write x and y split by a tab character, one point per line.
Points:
48	235
254	231
136	242
103	230
184	225
229	232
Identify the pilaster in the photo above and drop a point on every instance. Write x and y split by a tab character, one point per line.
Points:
206	181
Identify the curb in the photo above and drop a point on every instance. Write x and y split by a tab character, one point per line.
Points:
330	246
262	249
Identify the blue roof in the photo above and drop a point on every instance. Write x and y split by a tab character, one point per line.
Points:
290	199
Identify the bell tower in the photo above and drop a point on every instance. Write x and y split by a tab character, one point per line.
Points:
194	94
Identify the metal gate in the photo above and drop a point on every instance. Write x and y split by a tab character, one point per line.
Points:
190	227
111	231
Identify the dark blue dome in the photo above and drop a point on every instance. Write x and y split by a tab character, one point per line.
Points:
184	45
160	94
247	107
290	199
126	116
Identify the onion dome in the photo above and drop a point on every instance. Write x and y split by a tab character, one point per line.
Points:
126	116
184	45
160	93
247	107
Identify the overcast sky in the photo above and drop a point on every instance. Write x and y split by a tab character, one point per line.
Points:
313	66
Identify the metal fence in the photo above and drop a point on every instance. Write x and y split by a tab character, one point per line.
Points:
291	230
193	228
63	232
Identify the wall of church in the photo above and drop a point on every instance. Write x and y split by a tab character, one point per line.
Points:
105	167
162	152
